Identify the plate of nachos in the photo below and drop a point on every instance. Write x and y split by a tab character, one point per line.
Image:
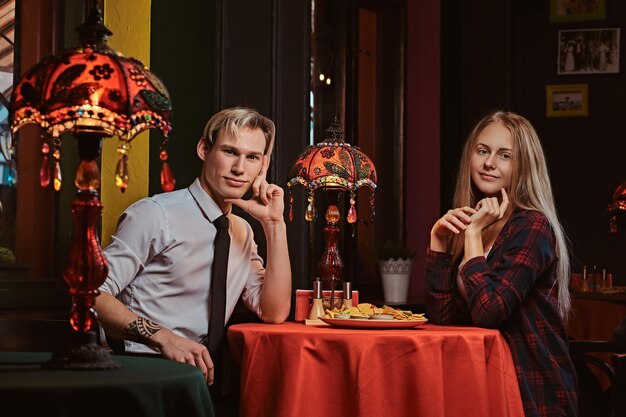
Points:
368	316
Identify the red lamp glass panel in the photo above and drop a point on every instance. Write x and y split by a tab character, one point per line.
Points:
91	89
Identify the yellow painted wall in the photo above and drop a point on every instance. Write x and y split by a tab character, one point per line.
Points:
130	23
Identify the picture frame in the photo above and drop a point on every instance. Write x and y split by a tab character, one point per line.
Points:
577	10
567	100
588	51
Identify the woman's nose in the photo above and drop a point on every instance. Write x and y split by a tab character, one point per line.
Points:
489	162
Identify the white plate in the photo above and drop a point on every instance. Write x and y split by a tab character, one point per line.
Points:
373	324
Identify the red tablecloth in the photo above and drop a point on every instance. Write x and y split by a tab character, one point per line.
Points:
297	370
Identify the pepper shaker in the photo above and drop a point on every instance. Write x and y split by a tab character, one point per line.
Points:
317	307
347	294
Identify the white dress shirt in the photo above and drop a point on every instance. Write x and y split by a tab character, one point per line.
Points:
160	262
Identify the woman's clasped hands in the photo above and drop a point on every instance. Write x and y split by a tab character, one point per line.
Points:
488	211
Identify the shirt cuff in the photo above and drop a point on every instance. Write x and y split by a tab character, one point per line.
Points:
472	267
438	260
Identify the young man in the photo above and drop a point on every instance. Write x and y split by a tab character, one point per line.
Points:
157	294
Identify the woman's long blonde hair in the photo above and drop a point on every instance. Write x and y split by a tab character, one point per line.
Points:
530	189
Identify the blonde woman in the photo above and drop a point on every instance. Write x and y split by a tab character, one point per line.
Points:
500	260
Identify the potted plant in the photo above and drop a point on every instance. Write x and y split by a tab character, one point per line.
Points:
395	258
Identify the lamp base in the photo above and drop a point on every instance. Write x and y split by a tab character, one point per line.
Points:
330	265
84	353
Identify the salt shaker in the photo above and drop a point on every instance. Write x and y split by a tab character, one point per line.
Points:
317	307
347	294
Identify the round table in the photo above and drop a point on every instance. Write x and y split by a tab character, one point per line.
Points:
293	369
150	387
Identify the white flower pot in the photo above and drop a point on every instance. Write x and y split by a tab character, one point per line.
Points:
395	274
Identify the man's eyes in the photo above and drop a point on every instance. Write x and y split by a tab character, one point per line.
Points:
235	153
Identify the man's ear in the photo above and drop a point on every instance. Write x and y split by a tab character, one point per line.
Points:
202	148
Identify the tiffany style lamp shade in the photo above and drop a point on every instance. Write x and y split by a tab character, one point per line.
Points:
334	166
93	92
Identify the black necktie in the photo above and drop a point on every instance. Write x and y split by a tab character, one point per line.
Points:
218	286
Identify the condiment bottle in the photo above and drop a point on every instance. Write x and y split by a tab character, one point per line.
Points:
585	284
347	295
597	279
576	281
592	279
317	307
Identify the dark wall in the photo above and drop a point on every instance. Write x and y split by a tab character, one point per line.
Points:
184	47
219	54
502	54
265	59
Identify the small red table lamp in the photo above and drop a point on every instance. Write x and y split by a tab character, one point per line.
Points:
333	165
92	92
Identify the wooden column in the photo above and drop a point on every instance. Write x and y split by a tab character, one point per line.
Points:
35	209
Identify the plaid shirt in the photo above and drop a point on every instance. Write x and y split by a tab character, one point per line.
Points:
513	290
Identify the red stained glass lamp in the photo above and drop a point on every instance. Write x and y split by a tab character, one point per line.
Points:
93	92
334	166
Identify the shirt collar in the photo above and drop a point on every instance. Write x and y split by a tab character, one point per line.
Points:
207	205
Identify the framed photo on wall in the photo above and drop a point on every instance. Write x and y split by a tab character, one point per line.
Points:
588	51
576	10
567	100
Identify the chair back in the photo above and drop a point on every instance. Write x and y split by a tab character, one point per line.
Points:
601	369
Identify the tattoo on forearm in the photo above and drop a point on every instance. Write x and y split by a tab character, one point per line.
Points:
141	330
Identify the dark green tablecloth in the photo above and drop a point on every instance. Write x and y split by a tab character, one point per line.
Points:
142	387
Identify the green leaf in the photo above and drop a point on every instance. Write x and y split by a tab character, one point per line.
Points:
337	170
156	101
